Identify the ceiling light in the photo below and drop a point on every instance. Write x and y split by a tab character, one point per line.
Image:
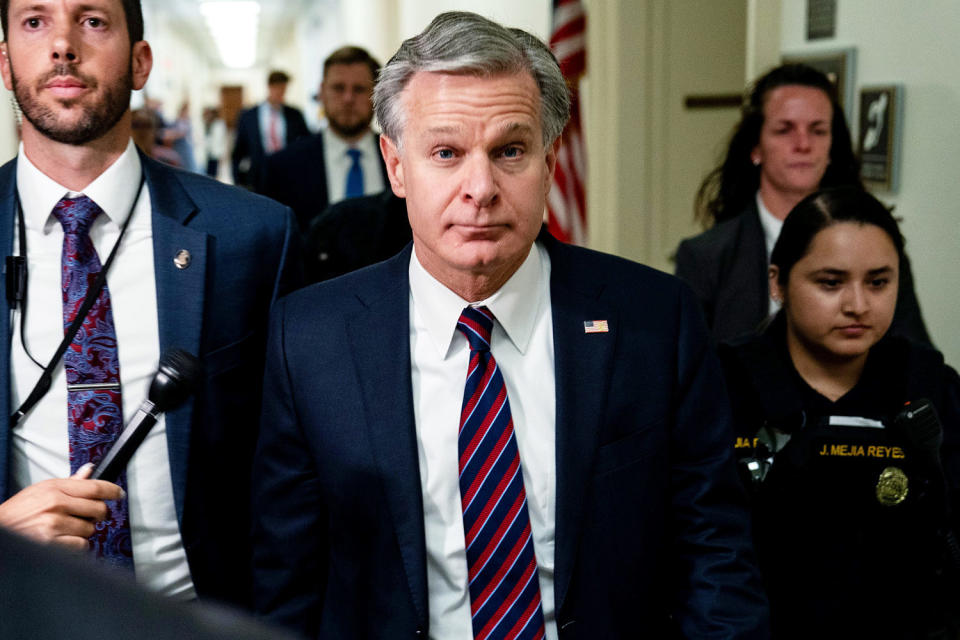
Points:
233	25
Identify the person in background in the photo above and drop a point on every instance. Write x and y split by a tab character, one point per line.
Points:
196	265
179	137
343	161
264	130
144	135
855	484
355	233
494	434
214	140
792	139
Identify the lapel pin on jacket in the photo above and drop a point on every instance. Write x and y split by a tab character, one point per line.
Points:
182	259
595	326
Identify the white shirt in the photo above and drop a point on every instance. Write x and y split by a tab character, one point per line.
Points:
40	447
771	231
266	112
338	164
522	343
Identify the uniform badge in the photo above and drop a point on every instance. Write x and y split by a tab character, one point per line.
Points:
892	486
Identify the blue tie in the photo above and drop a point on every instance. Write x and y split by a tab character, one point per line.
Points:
355	176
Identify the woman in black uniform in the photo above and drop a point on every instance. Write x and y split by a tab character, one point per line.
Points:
855	491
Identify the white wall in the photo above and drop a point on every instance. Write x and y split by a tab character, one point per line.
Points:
531	15
915	44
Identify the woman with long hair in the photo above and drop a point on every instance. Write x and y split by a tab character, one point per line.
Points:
855	481
792	139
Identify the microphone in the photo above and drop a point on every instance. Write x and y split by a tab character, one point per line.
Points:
173	382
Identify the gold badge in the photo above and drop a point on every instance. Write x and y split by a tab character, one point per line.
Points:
892	487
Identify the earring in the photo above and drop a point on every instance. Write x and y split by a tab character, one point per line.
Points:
756	161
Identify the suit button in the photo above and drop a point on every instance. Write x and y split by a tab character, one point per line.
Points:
419	633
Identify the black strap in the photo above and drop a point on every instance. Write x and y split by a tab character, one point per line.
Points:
18	270
42	386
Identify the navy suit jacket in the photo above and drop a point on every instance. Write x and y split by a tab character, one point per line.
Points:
297	177
216	308
650	516
249	144
355	233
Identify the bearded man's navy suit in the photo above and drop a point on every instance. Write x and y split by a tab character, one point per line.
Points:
216	308
649	515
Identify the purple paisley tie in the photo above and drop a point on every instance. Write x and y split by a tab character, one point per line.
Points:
93	371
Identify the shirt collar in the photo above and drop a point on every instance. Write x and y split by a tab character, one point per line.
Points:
113	190
338	147
516	304
771	225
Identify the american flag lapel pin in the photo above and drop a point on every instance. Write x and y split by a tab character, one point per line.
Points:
595	326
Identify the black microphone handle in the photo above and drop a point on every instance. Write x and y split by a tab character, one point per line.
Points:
116	459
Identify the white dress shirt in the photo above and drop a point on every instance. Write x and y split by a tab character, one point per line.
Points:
771	231
338	164
522	343
40	448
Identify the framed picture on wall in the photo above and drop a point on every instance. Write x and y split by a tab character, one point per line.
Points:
881	117
836	64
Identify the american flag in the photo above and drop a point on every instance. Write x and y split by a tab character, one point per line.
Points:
595	326
567	201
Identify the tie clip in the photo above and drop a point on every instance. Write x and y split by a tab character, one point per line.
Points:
95	386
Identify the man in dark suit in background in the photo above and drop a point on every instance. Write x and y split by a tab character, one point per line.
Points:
343	161
264	130
197	266
355	233
579	485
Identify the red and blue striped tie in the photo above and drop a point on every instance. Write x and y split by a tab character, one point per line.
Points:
502	567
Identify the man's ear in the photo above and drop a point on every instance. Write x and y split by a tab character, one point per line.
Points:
394	162
5	66
141	63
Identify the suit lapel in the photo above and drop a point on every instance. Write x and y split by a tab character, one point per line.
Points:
754	250
380	344
583	362
8	185
180	298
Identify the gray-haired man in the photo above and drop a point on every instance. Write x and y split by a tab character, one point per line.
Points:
494	435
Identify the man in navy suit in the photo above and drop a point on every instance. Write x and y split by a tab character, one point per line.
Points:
582	482
197	267
264	130
340	162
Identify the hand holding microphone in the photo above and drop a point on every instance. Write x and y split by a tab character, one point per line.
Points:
173	382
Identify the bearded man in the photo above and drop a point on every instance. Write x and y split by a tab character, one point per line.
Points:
344	160
79	200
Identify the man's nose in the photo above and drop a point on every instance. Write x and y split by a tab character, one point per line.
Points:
479	184
64	48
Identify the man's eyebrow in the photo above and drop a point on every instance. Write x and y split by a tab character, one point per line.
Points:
516	127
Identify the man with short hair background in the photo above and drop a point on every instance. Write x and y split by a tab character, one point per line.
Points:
343	161
495	435
264	130
197	265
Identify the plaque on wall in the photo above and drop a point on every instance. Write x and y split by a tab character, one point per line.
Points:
838	65
881	116
821	19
